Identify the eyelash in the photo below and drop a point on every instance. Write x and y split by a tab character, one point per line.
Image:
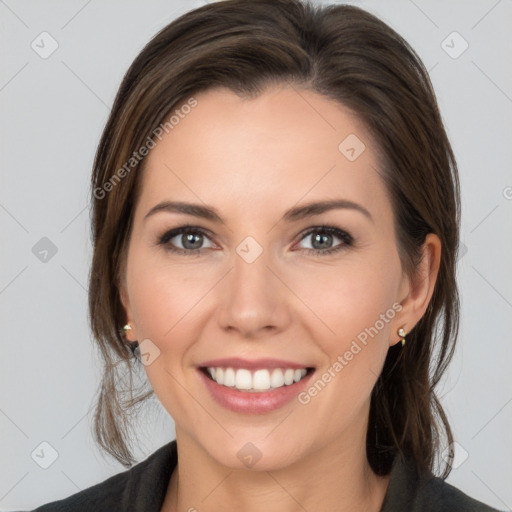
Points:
345	237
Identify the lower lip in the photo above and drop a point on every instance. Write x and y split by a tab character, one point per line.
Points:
257	402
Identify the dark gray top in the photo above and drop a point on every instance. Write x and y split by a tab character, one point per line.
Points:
142	488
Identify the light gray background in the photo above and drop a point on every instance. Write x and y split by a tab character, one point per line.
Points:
52	114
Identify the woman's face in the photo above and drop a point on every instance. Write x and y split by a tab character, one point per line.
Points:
264	290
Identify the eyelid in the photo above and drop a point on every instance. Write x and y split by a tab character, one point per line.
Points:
346	238
171	233
342	234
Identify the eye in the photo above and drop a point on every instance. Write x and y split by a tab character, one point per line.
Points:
323	238
190	238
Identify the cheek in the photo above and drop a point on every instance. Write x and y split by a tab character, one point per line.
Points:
351	297
165	304
166	301
355	306
156	291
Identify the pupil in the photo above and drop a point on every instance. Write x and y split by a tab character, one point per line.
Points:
189	238
324	238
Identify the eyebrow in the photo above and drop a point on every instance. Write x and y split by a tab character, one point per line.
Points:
292	215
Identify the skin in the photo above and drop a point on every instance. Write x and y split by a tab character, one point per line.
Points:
252	160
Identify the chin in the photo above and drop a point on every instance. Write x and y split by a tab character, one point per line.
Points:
255	453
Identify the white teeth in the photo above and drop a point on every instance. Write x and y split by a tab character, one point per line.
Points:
288	376
298	374
277	379
260	380
243	379
229	377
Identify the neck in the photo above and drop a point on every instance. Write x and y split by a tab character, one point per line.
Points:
335	477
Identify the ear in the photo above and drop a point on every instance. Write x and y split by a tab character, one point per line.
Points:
131	334
418	289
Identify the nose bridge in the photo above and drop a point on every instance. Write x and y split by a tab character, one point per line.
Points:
251	296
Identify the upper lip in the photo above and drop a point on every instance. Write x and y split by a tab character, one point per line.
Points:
237	362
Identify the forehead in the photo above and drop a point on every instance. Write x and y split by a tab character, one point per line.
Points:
284	145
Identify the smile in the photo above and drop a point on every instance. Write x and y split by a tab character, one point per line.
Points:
254	386
255	381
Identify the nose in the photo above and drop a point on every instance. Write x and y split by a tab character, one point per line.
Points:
253	300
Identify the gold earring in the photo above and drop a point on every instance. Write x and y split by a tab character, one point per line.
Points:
127	328
402	334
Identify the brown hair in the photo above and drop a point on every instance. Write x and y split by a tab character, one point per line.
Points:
345	54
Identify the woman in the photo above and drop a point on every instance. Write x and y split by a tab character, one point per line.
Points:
245	137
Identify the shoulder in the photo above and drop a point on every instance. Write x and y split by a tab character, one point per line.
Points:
141	487
440	496
413	492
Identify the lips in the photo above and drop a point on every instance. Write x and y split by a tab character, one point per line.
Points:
254	386
253	364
